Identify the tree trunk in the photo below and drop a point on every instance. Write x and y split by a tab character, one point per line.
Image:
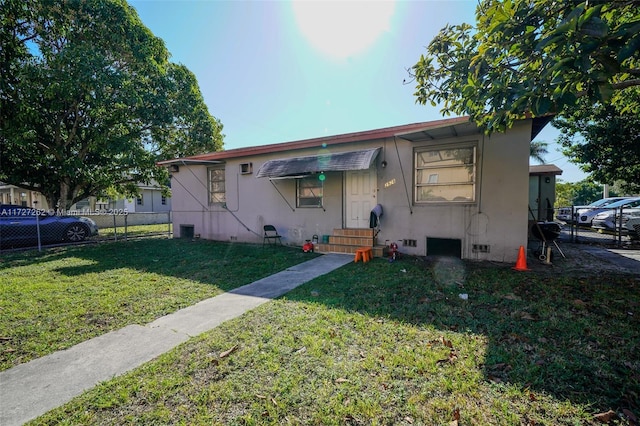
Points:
52	201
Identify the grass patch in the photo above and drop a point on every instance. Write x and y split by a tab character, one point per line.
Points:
60	297
133	231
393	343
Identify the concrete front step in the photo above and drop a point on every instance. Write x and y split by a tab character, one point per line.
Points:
348	240
353	232
378	251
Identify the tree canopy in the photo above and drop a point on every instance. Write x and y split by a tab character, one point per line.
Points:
605	140
537	151
531	58
580	193
89	100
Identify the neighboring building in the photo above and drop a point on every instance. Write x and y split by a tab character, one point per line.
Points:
11	194
542	191
151	200
445	188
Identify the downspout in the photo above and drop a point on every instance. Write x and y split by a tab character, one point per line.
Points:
203	224
404	179
189	192
224	206
281	195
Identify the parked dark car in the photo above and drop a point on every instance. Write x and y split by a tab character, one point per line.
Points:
19	227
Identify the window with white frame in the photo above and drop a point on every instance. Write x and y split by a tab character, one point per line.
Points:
445	174
216	178
309	192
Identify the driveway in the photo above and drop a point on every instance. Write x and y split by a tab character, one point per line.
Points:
587	259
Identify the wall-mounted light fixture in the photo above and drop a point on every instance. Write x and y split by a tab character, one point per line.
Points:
383	164
174	168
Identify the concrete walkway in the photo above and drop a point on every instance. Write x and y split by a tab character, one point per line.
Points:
30	390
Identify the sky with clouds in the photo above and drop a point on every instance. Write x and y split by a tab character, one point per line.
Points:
278	71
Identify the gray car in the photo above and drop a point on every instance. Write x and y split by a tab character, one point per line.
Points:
567	214
633	228
584	216
610	219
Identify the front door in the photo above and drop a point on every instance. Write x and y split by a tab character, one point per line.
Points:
360	197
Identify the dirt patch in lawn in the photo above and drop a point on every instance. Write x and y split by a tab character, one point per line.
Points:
582	260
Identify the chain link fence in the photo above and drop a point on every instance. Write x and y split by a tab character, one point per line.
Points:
610	226
24	227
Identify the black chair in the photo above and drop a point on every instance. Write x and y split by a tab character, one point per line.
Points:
271	235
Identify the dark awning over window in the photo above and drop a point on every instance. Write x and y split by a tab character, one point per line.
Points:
330	162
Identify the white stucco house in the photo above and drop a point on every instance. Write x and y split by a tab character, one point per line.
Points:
444	186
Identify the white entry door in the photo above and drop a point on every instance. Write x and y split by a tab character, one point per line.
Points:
361	193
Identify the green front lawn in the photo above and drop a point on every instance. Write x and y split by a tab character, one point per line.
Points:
394	343
55	299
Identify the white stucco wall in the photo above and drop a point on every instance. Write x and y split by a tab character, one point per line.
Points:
498	217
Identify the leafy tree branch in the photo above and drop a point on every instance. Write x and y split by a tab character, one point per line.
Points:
89	100
531	57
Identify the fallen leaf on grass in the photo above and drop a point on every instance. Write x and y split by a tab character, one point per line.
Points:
605	417
456	418
447	343
524	315
501	366
342	380
408	420
511	296
494	379
517	337
451	359
228	352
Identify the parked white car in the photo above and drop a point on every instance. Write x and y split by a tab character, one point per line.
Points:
584	216
633	228
609	219
564	213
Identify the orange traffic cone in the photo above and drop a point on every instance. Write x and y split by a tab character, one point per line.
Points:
521	264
